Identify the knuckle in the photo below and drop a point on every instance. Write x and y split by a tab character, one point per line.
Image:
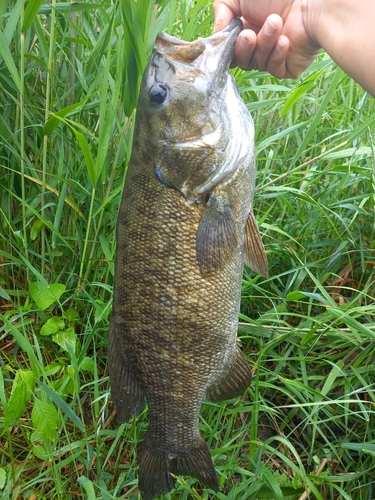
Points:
277	70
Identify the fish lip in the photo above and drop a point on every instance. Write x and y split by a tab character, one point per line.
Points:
226	40
233	28
219	53
164	37
217	50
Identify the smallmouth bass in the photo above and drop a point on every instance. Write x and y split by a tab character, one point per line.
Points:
185	227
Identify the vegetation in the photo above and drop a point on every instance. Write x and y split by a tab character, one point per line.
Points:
69	75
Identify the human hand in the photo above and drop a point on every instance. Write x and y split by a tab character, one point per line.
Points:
274	38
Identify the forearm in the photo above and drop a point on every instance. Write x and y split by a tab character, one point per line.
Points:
346	31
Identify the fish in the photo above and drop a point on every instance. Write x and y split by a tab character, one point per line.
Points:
185	228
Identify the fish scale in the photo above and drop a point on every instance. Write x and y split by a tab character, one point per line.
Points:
181	244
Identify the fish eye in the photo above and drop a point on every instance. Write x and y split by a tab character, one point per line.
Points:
158	93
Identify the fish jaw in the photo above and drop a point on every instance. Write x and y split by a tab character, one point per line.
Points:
211	55
196	128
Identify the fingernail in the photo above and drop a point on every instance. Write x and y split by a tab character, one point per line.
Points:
269	28
243	43
279	46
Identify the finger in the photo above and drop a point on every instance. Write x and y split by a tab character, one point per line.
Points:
266	41
222	15
245	47
276	64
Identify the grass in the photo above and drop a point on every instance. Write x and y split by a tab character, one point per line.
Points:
69	75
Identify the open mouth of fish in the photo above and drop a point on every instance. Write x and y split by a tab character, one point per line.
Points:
201	62
214	52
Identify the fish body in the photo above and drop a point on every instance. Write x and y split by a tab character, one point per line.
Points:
184	229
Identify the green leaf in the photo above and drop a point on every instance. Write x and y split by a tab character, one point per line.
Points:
64	407
52	369
3	294
343	315
35	229
12	19
24	344
65	7
90	164
368	124
297	295
40	452
9	61
44	295
332	376
53	325
44	417
274	138
314	124
57	118
3	476
30	13
65	338
272	483
23	386
302	89
360	447
87	365
70	371
71	314
101	310
88	486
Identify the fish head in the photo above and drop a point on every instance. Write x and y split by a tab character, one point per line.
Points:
193	117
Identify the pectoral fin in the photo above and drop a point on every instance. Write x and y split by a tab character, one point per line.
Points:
255	255
216	238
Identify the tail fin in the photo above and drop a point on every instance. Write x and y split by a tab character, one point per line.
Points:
156	467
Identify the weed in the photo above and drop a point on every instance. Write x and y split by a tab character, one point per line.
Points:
69	75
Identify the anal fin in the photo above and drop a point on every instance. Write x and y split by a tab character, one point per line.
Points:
126	388
255	254
233	381
216	238
156	467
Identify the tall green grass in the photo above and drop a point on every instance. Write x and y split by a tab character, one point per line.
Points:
69	77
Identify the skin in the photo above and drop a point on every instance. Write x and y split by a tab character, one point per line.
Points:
283	37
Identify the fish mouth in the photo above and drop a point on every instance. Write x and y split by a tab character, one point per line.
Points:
203	64
219	51
211	55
